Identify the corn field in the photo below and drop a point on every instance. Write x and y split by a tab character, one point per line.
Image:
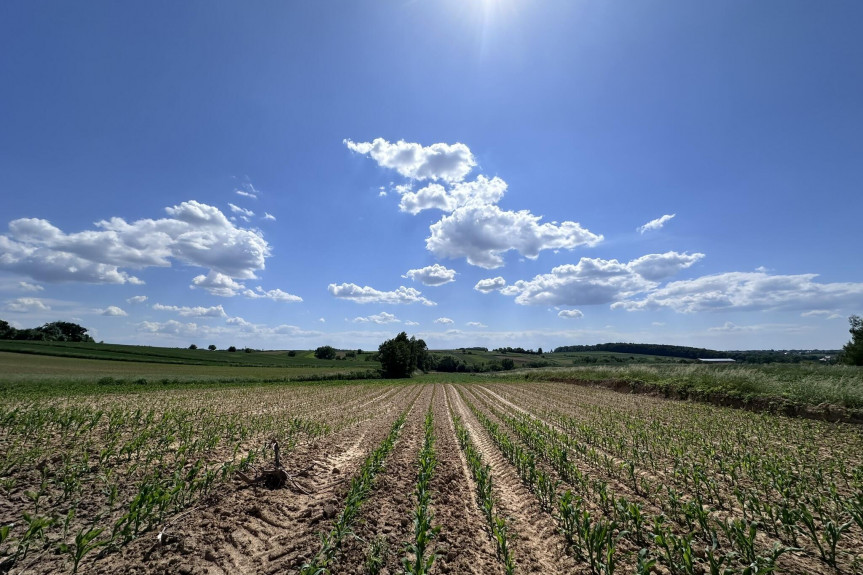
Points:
422	478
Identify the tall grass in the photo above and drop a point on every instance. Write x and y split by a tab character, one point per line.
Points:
807	384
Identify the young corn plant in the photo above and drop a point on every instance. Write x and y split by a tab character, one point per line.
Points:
85	541
481	473
418	561
358	492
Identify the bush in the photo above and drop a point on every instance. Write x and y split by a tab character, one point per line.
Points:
325	352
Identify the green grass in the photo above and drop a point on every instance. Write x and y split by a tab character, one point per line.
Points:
803	384
58	368
167	355
24	375
476	357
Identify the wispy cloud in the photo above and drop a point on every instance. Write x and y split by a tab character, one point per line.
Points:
26	305
197	311
655	224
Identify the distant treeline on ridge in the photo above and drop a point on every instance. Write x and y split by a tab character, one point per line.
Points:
748	356
648	349
54	331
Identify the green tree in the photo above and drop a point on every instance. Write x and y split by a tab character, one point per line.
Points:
193	346
6	330
325	352
65	331
401	357
212	347
853	351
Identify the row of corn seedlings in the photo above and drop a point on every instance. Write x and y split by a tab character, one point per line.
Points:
588	538
819	516
418	560
481	473
96	474
596	539
359	490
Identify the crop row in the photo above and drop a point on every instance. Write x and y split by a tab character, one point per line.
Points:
819	517
418	560
481	473
83	476
596	538
360	487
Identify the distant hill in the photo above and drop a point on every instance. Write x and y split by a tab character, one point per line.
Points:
684	352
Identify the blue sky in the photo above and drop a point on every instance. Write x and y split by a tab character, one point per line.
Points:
492	172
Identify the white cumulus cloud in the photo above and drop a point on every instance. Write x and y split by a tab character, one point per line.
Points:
476	324
598	281
273	294
444	321
382	318
137	299
222	285
481	233
366	294
490	284
114	311
474	227
446	162
570	314
749	291
433	275
480	191
194	234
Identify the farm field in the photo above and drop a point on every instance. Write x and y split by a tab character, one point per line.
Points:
429	475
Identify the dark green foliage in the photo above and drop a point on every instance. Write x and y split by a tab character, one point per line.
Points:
449	364
54	331
212	347
852	352
325	352
193	346
527	351
6	330
400	356
232	349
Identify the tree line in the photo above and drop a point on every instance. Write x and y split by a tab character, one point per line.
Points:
54	331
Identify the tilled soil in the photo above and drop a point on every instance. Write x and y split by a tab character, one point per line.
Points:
793	563
462	546
252	529
536	545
